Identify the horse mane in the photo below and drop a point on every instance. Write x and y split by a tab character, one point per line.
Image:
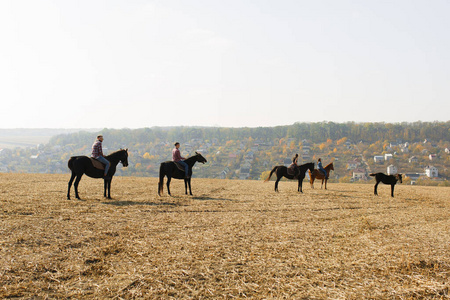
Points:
116	152
328	165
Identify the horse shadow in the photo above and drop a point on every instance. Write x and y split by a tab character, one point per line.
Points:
208	198
133	203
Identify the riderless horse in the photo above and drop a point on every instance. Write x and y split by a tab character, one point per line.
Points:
171	170
386	179
80	165
283	171
319	175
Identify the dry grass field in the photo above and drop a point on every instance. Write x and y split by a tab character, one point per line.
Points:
232	239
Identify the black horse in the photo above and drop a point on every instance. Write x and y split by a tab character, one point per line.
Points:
80	165
283	171
170	169
386	179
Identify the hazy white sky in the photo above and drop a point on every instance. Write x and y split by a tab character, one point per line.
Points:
142	63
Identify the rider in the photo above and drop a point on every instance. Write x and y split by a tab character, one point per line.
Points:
294	165
320	167
97	153
176	157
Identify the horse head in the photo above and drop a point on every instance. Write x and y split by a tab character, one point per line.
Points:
330	166
399	177
200	158
124	157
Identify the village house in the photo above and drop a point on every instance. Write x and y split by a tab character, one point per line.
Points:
351	165
413	159
391	170
378	159
431	171
432	157
359	174
388	156
245	171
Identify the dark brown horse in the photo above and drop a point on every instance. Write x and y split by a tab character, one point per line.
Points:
283	171
316	174
170	170
80	165
386	179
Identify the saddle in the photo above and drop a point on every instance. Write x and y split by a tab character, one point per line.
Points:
97	164
292	170
179	166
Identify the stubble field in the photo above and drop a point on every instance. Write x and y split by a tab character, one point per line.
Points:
232	239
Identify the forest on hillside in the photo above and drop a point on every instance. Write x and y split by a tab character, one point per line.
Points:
313	132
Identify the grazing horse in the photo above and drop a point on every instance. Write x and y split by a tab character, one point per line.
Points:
170	169
319	175
80	165
386	179
283	171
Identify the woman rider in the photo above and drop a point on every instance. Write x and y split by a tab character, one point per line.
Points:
320	168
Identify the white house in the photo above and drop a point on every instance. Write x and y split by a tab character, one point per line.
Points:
378	159
359	174
432	156
431	171
388	156
391	170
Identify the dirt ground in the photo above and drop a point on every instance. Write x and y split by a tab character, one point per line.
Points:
232	239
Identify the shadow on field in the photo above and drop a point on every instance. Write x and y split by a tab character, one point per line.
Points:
130	203
207	198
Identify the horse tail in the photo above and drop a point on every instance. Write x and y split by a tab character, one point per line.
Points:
161	180
270	175
372	174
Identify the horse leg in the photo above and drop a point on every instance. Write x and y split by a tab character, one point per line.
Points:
185	185
311	181
392	190
300	184
189	183
375	192
107	185
321	187
326	180
109	188
168	185
77	181
70	185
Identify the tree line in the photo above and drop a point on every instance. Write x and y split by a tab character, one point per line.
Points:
313	132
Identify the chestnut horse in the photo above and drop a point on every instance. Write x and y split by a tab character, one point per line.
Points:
317	174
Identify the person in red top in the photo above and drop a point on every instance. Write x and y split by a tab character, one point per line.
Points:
97	153
176	157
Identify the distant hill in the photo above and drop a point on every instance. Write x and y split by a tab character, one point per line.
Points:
30	137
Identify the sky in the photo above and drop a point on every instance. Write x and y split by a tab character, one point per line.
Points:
229	63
